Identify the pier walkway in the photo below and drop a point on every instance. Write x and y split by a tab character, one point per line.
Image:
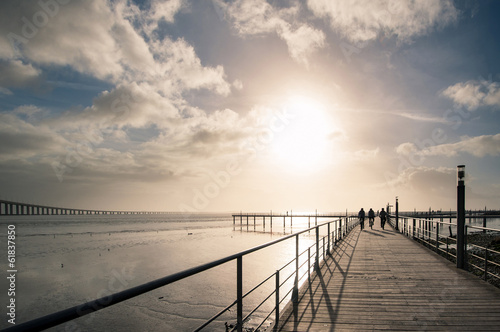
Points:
381	280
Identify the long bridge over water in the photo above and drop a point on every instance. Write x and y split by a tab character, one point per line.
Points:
12	208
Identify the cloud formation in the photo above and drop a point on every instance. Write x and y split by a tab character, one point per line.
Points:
474	94
258	17
361	21
479	146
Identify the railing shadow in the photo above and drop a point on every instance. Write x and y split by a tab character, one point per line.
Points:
319	282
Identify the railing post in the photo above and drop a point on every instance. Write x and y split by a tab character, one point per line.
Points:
277	307
486	263
465	267
328	249
324	248
316	264
309	264
397	214
295	296
413	229
239	293
437	237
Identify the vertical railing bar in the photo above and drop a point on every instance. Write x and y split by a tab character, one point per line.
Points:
277	308
309	265
239	293
486	263
437	238
316	264
296	283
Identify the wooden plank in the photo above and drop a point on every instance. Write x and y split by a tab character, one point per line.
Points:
380	280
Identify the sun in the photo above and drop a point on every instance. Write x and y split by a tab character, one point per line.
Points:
304	144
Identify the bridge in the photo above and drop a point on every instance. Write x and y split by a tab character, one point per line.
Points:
12	208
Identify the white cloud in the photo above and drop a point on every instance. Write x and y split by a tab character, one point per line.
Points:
257	17
166	9
110	41
366	154
366	20
302	42
473	94
479	146
425	180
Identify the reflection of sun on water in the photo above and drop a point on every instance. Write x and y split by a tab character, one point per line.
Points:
303	145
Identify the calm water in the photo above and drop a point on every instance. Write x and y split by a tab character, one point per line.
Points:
63	261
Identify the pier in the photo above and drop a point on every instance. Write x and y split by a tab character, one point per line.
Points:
381	280
253	218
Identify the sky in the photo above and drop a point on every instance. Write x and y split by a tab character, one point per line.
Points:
249	105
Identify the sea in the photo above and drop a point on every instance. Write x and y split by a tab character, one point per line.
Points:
63	261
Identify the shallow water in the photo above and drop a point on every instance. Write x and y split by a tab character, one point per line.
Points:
63	261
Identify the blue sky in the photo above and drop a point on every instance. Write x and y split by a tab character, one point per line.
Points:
249	105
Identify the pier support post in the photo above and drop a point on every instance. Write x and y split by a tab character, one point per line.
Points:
461	218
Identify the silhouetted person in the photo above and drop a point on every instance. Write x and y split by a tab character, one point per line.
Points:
361	216
383	218
371	217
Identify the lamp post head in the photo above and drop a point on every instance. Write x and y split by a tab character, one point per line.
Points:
461	173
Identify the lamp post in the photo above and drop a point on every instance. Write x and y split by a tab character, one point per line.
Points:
460	217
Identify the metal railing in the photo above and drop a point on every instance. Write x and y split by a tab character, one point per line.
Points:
483	260
315	254
473	251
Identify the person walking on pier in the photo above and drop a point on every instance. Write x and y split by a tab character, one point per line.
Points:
383	218
371	217
361	216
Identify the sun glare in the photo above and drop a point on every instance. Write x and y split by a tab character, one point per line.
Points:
304	145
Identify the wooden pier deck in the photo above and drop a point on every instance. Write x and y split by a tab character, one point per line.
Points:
380	280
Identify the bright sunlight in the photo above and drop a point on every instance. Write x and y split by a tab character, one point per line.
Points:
304	145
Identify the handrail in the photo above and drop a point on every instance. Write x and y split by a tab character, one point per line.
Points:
429	234
69	314
484	228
